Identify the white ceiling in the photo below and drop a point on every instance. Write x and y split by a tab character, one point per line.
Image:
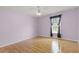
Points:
31	10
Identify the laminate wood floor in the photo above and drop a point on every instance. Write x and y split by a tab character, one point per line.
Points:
41	45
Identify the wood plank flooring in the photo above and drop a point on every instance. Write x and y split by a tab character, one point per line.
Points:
41	45
68	46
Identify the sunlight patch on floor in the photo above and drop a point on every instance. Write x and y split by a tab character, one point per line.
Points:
55	46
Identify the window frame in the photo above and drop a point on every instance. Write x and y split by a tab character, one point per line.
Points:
58	34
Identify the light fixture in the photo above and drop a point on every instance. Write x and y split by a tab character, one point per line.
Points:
38	11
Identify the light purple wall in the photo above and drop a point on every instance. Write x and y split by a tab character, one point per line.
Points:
15	27
44	26
68	27
78	25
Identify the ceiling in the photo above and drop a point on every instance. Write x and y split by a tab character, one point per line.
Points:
31	10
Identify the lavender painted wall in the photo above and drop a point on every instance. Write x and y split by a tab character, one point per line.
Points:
15	27
68	24
44	26
78	26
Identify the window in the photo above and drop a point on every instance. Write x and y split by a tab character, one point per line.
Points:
55	24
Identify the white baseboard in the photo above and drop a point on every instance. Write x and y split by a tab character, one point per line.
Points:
69	39
7	44
62	38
